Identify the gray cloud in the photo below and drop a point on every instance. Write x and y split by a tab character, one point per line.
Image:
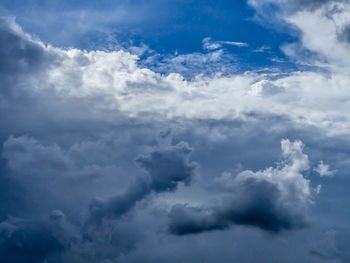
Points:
345	34
191	220
311	4
166	167
119	205
27	157
18	54
333	246
31	241
275	199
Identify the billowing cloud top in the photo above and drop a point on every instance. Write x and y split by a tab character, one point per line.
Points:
273	199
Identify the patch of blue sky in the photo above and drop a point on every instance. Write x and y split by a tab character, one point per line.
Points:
169	36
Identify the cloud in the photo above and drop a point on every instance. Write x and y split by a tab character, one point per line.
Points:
166	167
113	82
265	88
274	199
345	34
205	63
84	24
18	52
212	45
54	239
79	118
320	27
323	170
169	165
117	206
96	237
287	6
326	248
27	157
32	240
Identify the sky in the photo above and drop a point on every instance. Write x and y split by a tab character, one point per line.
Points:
174	131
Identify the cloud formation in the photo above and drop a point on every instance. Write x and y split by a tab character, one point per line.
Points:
114	82
274	199
28	158
33	240
166	167
74	120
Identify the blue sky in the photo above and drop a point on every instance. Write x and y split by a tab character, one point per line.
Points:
165	27
174	131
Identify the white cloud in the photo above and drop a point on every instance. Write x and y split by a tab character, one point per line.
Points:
320	31
308	98
114	81
210	44
324	170
287	176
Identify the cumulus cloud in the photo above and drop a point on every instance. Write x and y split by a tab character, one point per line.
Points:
274	199
333	18
96	237
114	82
265	88
322	27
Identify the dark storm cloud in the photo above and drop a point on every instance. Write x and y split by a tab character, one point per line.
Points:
32	162
255	203
119	205
32	241
17	53
21	59
191	220
166	167
273	200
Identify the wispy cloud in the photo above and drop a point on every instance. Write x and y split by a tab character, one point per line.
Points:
209	44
